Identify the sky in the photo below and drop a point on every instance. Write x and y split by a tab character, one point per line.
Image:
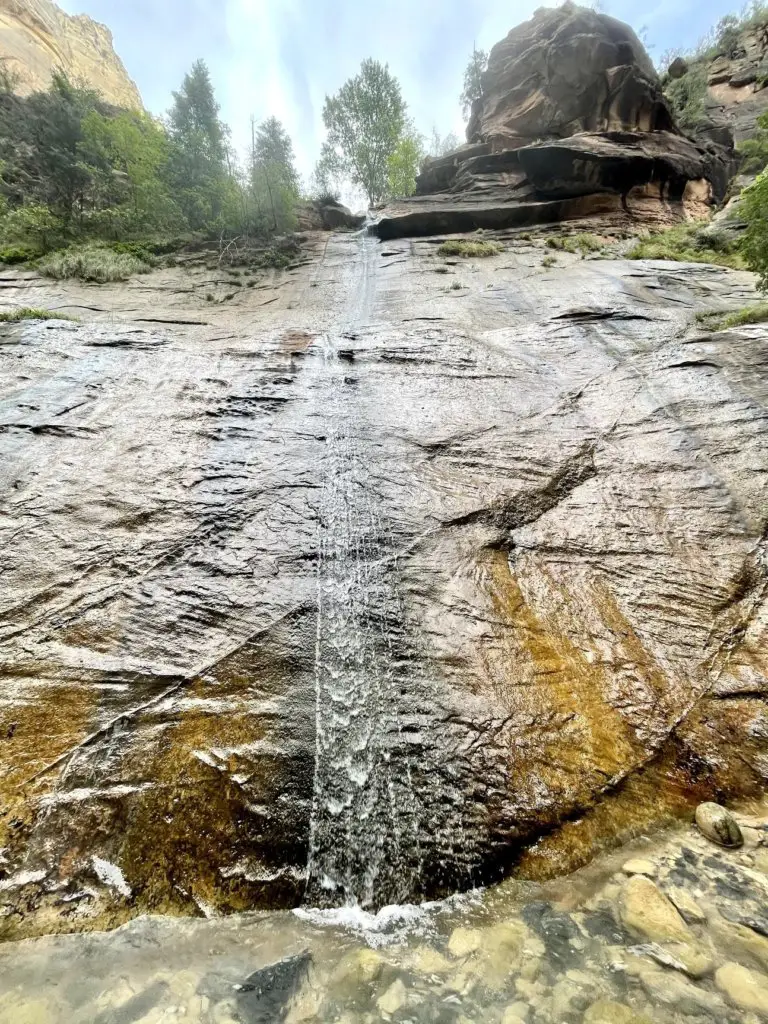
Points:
282	57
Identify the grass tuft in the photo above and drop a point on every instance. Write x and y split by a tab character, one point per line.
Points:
92	263
579	243
461	247
686	243
13	316
738	318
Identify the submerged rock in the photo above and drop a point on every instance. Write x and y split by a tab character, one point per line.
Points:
718	825
745	989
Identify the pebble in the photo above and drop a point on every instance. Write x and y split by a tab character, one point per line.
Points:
689	909
741	942
607	1012
718	825
637	866
426	960
746	989
363	966
394	998
464	941
647	912
671	990
517	1013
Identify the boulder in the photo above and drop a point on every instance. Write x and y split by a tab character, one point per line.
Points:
319	215
679	68
572	112
718	825
567	70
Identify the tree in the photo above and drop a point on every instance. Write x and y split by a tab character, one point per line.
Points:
365	122
754	210
403	164
274	178
199	150
473	80
755	150
441	146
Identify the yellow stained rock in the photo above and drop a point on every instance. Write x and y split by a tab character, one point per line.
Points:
638	866
746	989
464	941
648	914
607	1012
393	999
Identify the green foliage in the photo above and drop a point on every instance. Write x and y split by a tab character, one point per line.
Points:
755	150
580	243
274	178
754	244
14	316
738	318
465	247
442	145
403	165
688	95
98	264
12	255
365	121
473	80
687	243
549	261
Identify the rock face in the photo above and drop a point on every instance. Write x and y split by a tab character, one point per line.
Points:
572	123
327	216
737	79
36	36
567	70
352	585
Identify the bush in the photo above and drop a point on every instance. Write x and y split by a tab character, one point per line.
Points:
688	96
754	244
755	150
687	243
460	247
92	263
580	243
14	254
27	313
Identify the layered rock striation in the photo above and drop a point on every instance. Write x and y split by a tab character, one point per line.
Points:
572	123
37	37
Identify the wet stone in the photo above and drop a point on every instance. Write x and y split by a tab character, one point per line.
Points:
266	994
393	999
608	1012
464	941
718	825
640	867
745	989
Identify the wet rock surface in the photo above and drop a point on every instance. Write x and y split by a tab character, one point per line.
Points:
362	587
558	953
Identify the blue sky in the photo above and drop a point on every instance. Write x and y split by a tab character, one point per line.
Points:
281	57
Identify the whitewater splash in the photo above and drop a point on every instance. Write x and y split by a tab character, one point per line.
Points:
365	818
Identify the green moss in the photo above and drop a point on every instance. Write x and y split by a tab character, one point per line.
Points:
736	318
462	247
687	243
13	316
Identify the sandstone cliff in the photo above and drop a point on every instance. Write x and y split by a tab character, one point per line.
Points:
36	36
572	124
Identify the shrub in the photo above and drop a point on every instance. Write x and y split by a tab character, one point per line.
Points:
754	244
14	254
92	263
755	150
688	95
27	313
548	261
582	243
461	247
687	243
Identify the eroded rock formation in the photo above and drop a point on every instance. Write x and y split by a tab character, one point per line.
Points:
572	123
36	37
361	586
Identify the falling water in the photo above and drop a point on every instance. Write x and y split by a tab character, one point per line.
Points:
364	835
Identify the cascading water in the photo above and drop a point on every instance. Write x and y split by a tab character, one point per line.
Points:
365	828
